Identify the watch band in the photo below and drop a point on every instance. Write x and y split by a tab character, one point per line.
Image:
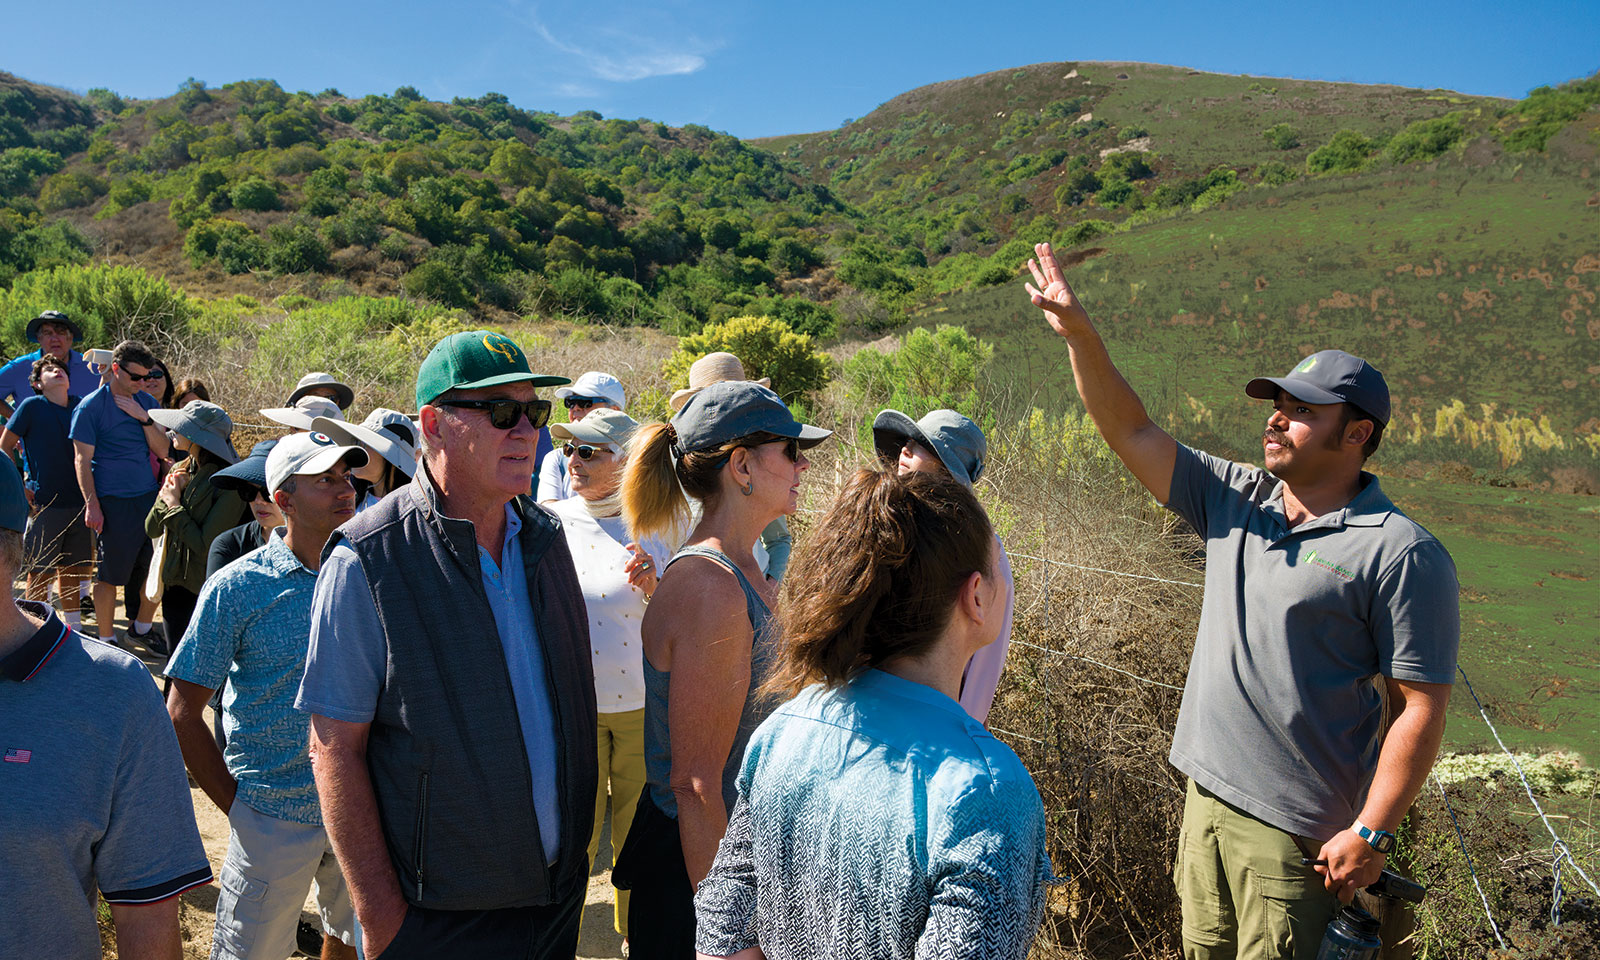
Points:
1379	840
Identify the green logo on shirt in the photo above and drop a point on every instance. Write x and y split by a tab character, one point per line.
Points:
1343	573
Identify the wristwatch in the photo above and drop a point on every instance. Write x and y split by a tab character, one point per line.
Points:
1379	840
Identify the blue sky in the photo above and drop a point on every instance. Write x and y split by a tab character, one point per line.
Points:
761	68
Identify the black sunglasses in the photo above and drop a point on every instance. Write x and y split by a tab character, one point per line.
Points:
154	374
791	449
585	451
573	402
503	414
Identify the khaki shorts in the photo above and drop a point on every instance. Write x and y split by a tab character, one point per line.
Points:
270	868
1243	889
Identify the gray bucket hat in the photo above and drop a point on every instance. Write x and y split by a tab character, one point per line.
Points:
312	381
388	432
202	423
954	439
733	409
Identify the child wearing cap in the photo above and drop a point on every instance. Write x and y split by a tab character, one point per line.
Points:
946	442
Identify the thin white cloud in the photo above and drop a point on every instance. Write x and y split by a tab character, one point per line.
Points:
640	63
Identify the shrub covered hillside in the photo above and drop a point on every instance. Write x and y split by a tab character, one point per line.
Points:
1230	218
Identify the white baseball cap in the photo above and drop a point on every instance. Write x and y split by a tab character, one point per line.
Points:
308	454
595	384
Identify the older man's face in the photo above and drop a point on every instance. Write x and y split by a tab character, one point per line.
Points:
495	460
55	340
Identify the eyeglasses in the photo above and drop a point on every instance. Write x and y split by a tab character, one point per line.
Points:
154	374
503	414
573	402
584	451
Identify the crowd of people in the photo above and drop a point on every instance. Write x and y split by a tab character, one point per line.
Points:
439	646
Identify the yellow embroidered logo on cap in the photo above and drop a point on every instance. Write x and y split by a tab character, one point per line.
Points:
1306	365
495	343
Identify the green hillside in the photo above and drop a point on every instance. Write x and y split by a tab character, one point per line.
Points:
1241	220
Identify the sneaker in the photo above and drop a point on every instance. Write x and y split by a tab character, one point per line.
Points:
154	639
86	604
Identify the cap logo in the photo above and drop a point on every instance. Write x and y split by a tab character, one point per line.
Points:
504	346
1306	365
322	439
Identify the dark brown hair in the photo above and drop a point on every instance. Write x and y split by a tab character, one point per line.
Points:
194	386
36	378
878	577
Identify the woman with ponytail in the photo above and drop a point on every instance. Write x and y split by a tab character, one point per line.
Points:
736	449
876	817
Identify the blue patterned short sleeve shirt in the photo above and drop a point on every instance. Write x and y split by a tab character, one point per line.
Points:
877	820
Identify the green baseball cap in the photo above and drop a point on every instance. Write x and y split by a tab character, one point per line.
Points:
477	358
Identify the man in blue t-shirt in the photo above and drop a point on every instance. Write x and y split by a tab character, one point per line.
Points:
55	333
113	438
57	542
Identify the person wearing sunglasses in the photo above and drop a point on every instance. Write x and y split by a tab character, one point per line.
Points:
113	437
945	442
590	392
450	685
618	576
708	641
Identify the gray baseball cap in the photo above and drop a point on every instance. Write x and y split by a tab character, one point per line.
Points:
601	426
954	439
1330	376
733	409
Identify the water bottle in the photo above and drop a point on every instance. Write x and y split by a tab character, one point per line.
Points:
1353	935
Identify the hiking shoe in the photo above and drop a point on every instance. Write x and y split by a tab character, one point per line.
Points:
154	639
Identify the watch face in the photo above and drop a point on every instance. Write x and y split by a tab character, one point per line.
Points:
1384	842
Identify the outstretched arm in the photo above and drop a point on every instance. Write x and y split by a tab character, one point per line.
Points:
1148	450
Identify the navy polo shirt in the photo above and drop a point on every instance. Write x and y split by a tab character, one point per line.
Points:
92	792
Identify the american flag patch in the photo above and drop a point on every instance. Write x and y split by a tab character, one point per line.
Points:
14	755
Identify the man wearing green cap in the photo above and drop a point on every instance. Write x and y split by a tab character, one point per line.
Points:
450	683
1325	608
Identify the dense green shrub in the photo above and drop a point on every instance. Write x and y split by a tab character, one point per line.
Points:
1131	165
431	280
25	246
1425	139
295	248
1346	152
20	166
253	193
930	369
1283	136
1085	231
1546	111
1117	193
1275	173
203	239
767	348
1079	186
109	303
71	188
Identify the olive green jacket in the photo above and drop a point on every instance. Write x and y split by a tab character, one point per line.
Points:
204	511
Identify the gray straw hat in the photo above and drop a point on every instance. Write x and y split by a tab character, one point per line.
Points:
202	423
954	439
734	409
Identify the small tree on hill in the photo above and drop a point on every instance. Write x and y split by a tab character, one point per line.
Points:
766	347
1283	136
1346	152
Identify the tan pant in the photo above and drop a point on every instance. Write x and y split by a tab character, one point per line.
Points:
1244	892
621	757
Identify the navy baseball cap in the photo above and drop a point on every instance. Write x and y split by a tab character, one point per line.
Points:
1330	376
734	409
13	502
248	473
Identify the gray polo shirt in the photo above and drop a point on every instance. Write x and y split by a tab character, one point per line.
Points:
1282	710
92	793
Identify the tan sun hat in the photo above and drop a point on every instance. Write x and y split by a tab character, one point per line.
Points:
709	369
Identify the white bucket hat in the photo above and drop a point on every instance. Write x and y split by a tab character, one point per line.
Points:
304	412
711	368
312	381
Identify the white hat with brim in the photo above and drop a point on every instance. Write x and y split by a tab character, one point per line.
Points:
308	454
712	368
374	433
595	384
601	426
311	381
304	413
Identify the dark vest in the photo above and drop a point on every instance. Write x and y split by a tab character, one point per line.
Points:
445	748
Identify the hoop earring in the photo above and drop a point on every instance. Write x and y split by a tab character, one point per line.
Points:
748	488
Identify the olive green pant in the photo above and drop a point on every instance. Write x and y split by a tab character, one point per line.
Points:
1243	890
621	757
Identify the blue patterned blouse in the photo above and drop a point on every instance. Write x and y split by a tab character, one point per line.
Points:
877	820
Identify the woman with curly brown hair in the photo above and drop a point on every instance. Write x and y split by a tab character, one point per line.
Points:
876	817
736	449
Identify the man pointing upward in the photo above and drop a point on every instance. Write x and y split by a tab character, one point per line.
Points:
1322	599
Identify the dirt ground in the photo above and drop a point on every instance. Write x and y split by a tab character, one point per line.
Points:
598	940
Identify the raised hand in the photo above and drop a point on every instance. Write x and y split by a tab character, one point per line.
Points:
1050	293
640	570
